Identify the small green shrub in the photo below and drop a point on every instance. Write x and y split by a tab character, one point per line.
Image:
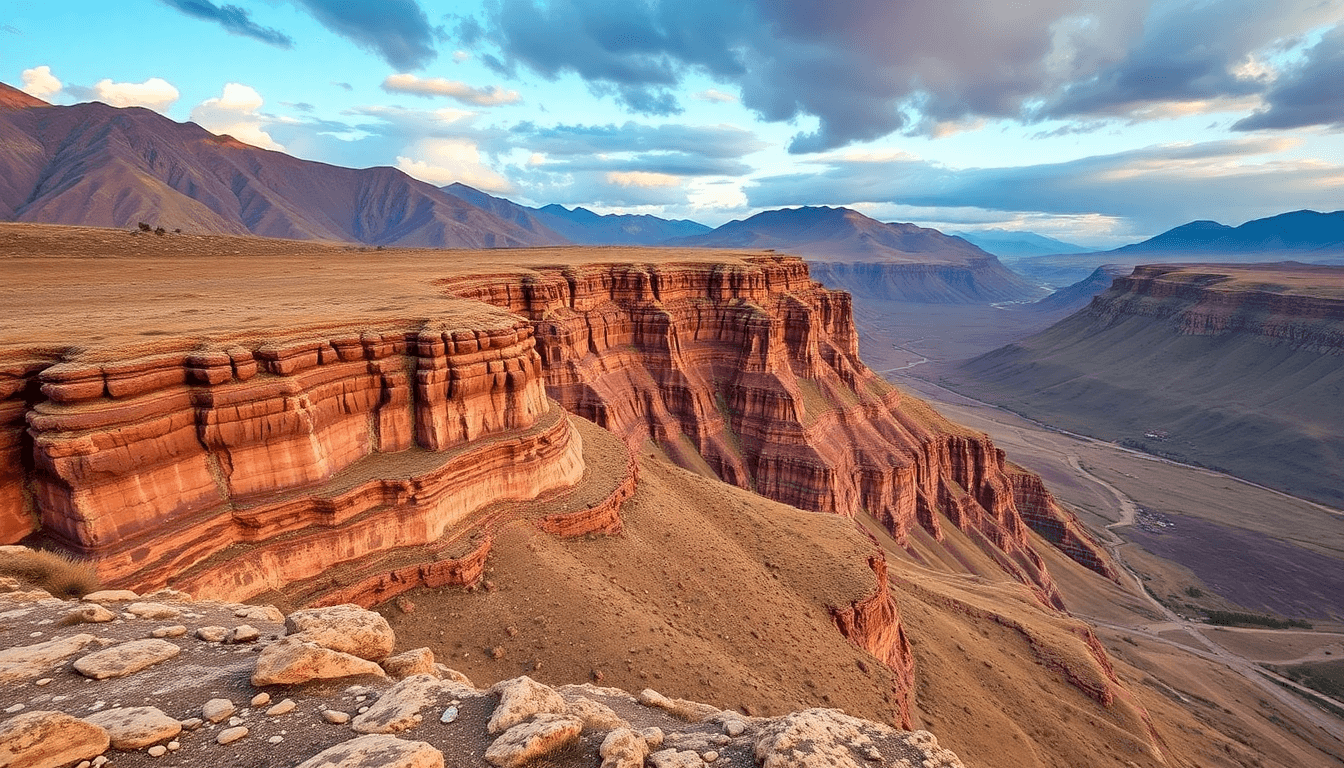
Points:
57	573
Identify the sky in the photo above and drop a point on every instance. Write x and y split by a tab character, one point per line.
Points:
1099	122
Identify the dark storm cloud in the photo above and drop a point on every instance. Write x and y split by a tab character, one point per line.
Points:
1310	95
233	19
396	30
1192	52
863	68
867	68
1155	188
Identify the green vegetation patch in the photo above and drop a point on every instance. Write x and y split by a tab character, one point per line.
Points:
1236	619
1324	676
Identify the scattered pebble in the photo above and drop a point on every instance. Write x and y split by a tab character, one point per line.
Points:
212	634
362	710
283	708
191	723
230	735
449	715
173	746
244	633
158	750
340	718
276	739
215	710
13	708
710	756
43	681
261	699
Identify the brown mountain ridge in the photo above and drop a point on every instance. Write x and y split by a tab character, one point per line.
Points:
94	165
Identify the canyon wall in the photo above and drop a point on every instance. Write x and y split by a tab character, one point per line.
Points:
751	374
1255	303
313	451
1233	367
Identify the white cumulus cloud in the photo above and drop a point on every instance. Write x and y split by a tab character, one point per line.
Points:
155	93
444	161
39	82
235	113
453	89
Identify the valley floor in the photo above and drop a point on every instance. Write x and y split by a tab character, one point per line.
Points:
1135	504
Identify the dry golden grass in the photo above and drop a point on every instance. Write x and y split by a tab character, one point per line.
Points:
59	574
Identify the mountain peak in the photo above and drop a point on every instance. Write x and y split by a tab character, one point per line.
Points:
13	98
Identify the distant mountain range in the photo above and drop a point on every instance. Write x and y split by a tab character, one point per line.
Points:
1010	244
874	260
581	225
1297	232
1306	236
831	234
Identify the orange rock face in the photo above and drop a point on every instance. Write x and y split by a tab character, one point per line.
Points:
153	465
752	372
874	624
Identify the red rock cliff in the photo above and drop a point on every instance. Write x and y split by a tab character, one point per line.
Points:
751	372
319	450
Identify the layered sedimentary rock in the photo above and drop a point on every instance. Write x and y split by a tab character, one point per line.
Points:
1057	525
874	625
751	373
310	450
1235	367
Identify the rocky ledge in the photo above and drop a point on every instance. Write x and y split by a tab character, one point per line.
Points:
162	678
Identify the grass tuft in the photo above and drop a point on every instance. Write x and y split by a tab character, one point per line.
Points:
61	575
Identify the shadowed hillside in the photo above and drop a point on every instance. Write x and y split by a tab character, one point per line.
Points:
1233	367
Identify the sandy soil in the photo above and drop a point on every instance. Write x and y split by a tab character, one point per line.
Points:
1279	646
696	599
115	288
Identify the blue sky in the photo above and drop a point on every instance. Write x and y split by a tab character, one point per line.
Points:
1096	121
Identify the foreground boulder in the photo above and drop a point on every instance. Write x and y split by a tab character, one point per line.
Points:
136	727
521	698
377	750
825	738
345	628
526	742
294	660
48	740
397	710
125	659
29	661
